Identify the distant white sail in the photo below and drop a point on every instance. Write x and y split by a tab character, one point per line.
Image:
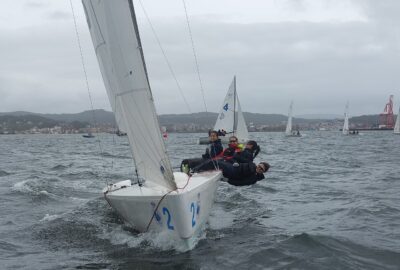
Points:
397	125
345	129
117	44
231	117
241	128
289	122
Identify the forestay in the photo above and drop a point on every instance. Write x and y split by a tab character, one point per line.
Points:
231	117
116	40
289	123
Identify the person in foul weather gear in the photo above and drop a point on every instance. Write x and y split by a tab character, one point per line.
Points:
243	174
215	146
248	154
233	148
212	152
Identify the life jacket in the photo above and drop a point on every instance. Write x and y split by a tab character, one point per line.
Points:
229	152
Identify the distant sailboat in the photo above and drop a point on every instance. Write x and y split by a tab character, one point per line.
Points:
120	133
396	129
89	135
230	119
289	132
164	132
345	129
160	199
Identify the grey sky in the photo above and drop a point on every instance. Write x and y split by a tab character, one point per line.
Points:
318	53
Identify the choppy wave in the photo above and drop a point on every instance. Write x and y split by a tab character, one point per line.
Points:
3	173
61	167
327	202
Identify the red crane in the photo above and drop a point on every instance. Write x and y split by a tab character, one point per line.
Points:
386	119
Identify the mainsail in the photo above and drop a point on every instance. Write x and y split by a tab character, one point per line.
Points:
345	129
397	125
289	122
117	44
231	117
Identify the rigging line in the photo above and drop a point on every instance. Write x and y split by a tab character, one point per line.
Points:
162	198
87	86
165	57
195	56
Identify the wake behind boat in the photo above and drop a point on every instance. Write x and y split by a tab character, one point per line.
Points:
230	121
159	199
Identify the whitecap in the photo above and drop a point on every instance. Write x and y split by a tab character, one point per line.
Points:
151	240
48	217
22	187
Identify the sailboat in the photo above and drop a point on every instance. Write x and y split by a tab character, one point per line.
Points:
230	119
89	135
164	132
396	129
289	131
159	199
346	130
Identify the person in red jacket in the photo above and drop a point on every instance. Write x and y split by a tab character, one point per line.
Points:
233	148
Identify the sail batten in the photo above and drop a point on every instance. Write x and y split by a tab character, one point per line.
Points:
116	39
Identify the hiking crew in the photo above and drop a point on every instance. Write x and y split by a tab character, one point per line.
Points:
243	174
215	149
248	154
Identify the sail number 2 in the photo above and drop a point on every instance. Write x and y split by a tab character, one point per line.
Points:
166	212
194	209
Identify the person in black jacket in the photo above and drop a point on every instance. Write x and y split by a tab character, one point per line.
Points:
215	146
248	154
243	174
214	150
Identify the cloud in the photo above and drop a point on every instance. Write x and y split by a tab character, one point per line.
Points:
59	15
319	65
35	4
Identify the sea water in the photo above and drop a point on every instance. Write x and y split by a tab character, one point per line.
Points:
328	202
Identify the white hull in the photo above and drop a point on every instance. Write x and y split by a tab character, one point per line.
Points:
181	213
291	135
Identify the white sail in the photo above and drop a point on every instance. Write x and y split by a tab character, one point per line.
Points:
117	44
241	130
231	117
397	125
289	122
345	129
